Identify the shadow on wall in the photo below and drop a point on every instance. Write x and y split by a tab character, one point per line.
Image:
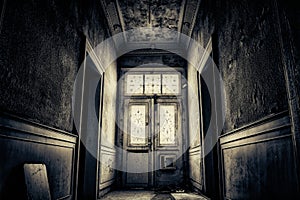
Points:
14	185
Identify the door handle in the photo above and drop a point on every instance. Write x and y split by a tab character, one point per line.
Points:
150	144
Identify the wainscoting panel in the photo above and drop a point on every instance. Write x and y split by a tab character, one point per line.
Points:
107	163
258	160
21	142
195	167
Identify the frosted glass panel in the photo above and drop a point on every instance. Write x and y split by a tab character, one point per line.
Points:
152	84
134	84
138	125
171	84
167	125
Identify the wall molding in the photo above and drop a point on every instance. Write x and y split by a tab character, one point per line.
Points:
196	184
106	184
205	56
264	125
96	59
108	149
195	150
12	122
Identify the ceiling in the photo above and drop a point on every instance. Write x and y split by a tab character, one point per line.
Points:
151	13
157	21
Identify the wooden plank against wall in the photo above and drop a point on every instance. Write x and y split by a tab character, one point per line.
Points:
36	179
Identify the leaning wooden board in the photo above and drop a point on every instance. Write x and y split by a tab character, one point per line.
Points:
36	180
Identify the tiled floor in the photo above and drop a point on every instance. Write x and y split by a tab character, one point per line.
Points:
150	195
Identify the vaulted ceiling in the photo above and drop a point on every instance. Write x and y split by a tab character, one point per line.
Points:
151	13
156	17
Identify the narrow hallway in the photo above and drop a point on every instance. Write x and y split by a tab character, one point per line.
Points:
149	99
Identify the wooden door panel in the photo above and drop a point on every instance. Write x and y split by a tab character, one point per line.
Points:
137	162
169	143
153	143
137	157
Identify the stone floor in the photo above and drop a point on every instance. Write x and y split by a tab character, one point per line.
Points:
150	195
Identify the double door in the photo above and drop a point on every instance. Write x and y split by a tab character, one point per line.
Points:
152	143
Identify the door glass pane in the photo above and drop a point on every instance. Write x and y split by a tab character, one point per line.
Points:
152	84
138	125
167	124
134	84
171	84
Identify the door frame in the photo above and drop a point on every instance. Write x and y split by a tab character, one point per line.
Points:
123	96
